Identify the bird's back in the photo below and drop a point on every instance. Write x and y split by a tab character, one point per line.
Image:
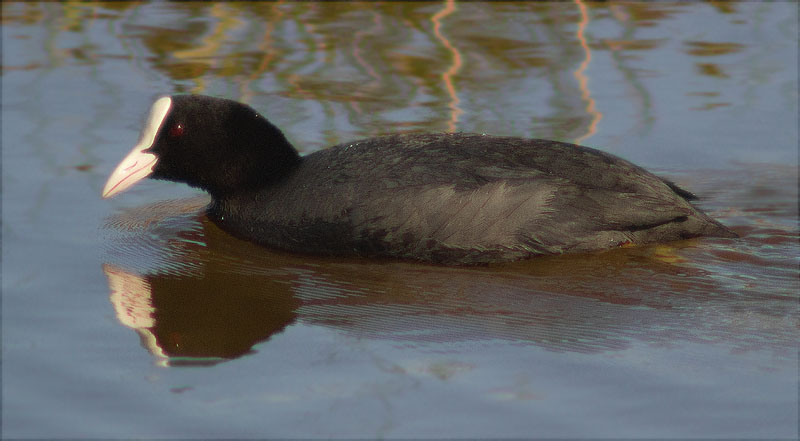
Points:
463	198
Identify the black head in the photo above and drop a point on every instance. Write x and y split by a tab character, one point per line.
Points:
216	144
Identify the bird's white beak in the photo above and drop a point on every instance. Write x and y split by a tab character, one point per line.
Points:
135	167
139	163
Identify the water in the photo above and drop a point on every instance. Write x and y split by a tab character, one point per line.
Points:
137	317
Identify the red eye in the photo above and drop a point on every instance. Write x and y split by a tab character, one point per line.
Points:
176	130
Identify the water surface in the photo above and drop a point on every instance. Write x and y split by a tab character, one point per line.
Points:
138	318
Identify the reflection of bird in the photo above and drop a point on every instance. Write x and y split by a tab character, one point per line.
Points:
197	295
446	198
192	317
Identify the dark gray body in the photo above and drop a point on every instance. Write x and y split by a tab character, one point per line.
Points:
462	199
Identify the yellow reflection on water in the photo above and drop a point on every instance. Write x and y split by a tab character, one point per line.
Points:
208	48
266	49
447	77
583	80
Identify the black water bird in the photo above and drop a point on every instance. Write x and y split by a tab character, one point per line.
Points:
452	198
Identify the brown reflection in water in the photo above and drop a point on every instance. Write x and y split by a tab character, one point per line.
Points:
266	53
627	45
709	49
365	61
200	318
648	13
712	70
212	297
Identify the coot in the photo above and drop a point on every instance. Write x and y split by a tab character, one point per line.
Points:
452	198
